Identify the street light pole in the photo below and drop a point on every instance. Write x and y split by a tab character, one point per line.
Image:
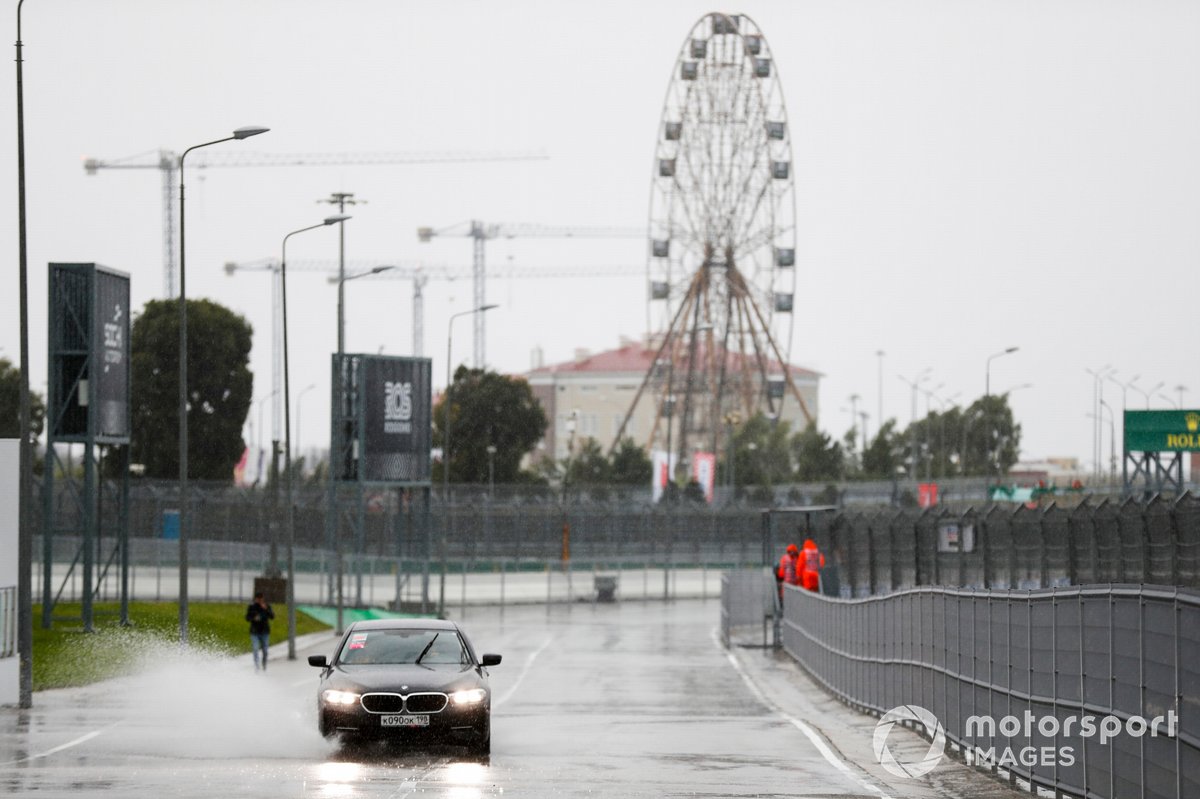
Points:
24	420
987	386
299	418
341	199
914	383
879	419
1112	441
331	509
446	401
447	414
287	441
240	133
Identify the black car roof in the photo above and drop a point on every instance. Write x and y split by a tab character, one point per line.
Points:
404	624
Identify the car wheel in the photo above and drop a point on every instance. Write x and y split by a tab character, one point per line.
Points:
323	726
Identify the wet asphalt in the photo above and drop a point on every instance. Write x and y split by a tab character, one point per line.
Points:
627	699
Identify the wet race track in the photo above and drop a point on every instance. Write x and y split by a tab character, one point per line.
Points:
608	700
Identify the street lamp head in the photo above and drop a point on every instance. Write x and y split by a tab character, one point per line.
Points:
333	220
377	269
488	307
248	131
1011	349
424	234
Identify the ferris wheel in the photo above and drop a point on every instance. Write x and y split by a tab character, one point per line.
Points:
722	251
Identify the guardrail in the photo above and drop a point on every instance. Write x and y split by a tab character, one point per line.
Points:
1004	672
8	621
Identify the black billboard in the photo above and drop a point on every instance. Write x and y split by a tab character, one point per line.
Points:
110	355
396	434
88	384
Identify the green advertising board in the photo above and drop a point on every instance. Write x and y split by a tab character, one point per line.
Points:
1162	431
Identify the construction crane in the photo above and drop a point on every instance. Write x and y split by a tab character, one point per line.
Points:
480	233
167	162
420	274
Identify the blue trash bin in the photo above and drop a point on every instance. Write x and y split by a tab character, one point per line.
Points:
170	525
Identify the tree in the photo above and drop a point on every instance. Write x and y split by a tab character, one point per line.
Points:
588	466
991	440
884	453
488	408
760	452
631	465
10	404
220	385
818	457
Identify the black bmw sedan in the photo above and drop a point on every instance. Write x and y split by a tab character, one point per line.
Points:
416	679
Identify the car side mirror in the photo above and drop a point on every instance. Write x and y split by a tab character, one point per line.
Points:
490	660
320	661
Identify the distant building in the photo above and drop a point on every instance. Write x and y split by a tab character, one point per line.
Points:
1061	471
601	387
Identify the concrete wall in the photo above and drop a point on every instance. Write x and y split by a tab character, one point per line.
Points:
9	474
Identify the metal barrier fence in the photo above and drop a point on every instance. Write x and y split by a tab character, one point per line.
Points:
474	526
222	571
748	596
1012	676
8	621
1155	542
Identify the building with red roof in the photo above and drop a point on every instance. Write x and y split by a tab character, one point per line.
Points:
598	389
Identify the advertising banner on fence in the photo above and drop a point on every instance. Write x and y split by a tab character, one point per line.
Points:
704	472
661	473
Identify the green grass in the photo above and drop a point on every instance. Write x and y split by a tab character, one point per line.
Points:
65	656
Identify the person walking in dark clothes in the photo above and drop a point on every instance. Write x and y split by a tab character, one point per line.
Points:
259	614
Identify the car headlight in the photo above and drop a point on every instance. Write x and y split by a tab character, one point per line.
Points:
339	697
471	696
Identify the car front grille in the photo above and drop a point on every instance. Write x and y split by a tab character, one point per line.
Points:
397	703
426	703
383	703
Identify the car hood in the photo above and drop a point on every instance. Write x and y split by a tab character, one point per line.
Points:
367	678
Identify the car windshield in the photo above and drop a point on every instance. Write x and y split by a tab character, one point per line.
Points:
393	647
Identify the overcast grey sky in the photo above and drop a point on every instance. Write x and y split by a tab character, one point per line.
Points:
970	176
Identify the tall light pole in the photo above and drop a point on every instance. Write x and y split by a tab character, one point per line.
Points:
914	383
1181	388
331	514
258	439
1098	376
446	400
879	376
987	385
287	434
341	199
1112	441
447	413
299	417
854	422
24	420
240	133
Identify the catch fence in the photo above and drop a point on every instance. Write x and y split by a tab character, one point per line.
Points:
878	552
1026	663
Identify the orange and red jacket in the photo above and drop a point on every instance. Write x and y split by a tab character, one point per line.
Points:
789	569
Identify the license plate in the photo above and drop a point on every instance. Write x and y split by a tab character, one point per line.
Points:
401	720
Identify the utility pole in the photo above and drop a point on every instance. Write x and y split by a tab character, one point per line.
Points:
341	199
